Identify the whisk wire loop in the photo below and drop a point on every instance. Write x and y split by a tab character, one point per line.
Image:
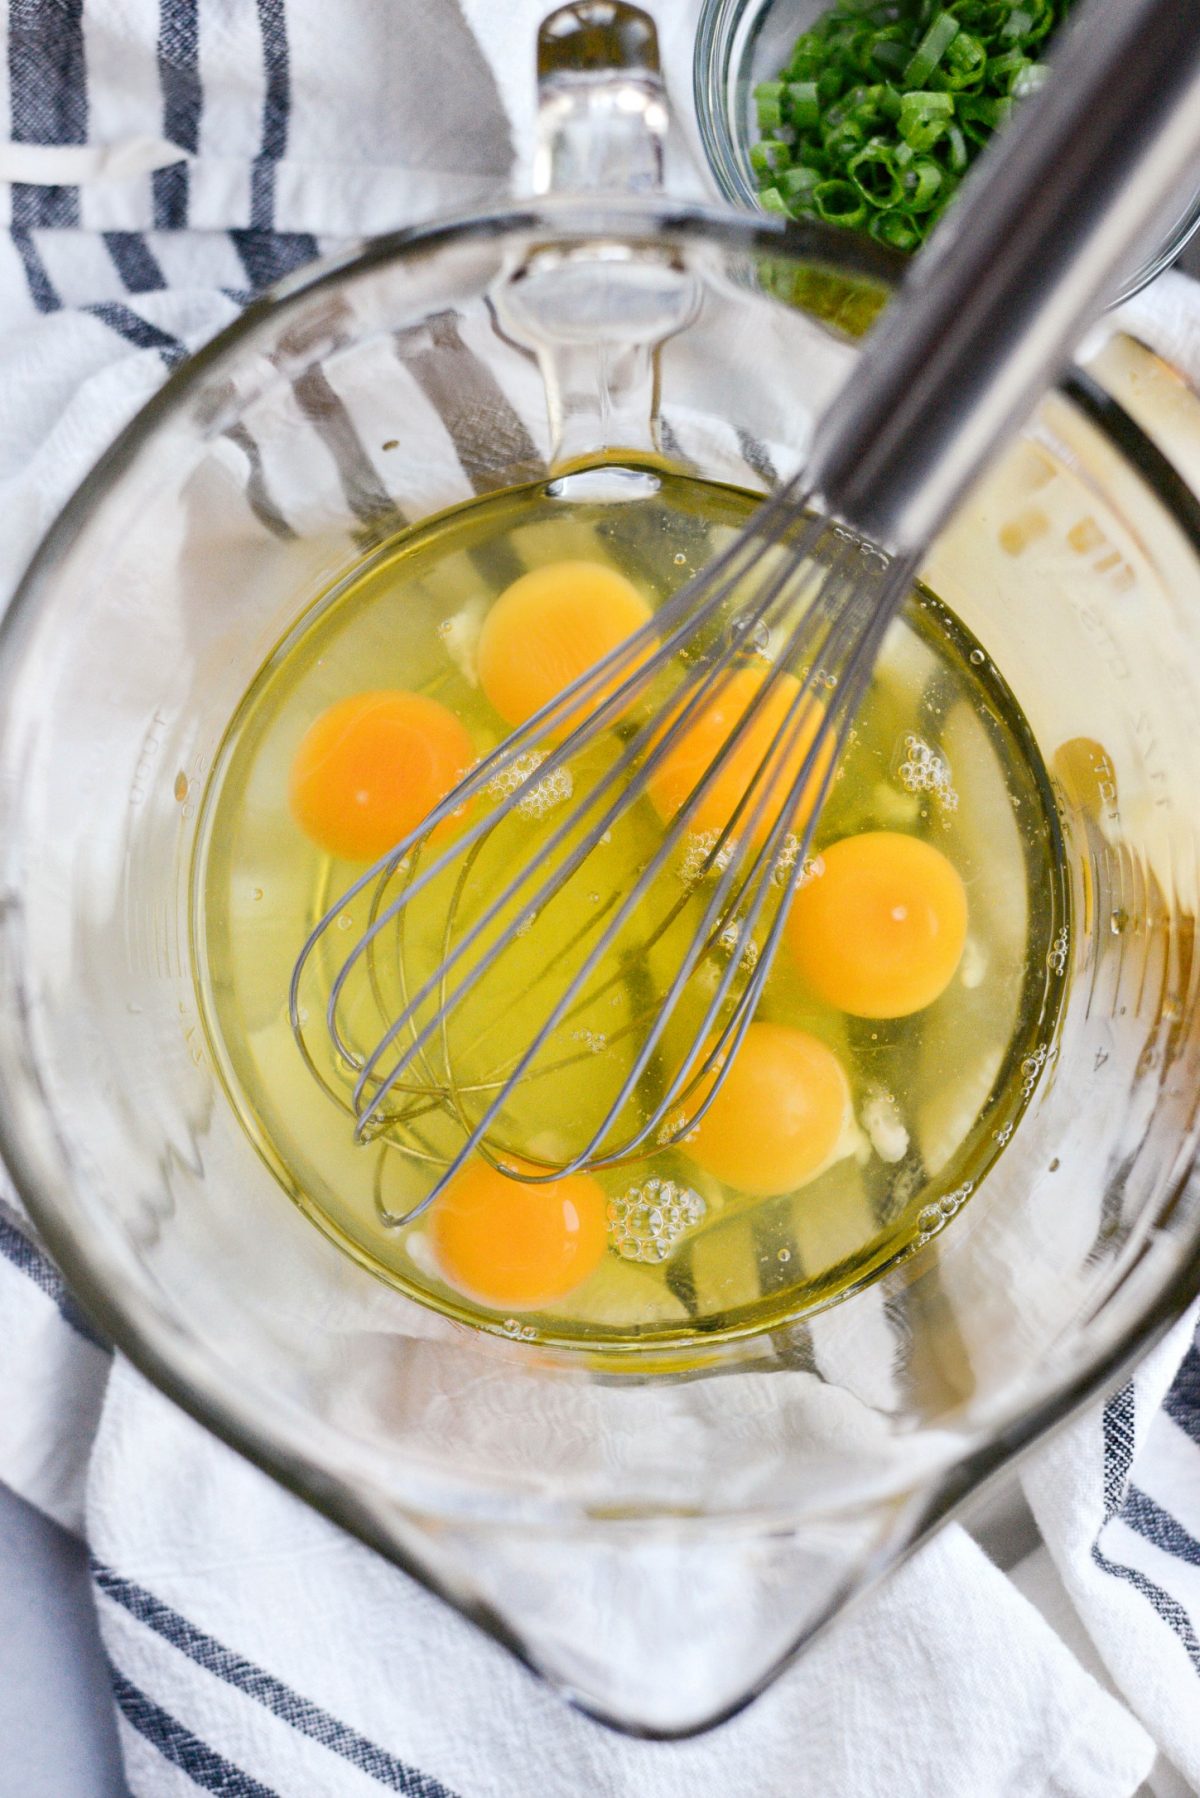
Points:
806	794
653	743
815	592
685	612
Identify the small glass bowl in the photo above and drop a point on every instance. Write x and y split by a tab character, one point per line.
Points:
742	42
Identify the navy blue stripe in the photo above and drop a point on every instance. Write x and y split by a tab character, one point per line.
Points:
48	98
258	494
1119	1441
138	330
462	389
670	443
267	256
289	1706
118	317
366	495
41	287
1118	1454
202	1764
1145	1515
1183	1401
178	53
276	107
170	189
1168	1608
755	455
134	261
22	1254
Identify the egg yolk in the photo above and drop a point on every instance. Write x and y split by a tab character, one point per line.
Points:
370	768
879	929
778	1116
697	743
510	1245
551	626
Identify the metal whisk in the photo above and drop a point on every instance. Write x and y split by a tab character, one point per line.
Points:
1041	233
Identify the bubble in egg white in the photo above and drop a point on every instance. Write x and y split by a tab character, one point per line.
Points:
925	771
751	633
728	941
673	1130
785	861
649	1221
540	798
698	848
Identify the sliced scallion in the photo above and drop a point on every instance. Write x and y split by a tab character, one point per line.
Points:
884	104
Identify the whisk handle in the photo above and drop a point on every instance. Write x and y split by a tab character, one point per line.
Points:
1036	243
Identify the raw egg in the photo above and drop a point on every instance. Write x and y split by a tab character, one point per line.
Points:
511	1245
878	930
370	768
697	743
778	1116
549	627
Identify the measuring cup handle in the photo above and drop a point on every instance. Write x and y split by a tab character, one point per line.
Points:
602	106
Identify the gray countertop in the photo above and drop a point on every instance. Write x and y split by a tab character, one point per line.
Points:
58	1737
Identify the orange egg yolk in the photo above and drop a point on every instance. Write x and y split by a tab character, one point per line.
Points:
879	929
514	1246
778	1116
370	768
550	627
697	743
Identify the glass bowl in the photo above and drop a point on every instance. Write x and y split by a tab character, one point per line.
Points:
742	42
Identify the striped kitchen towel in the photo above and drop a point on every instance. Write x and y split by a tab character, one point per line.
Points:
167	158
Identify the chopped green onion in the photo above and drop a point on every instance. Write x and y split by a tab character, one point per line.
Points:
1002	71
769	156
889	57
803	105
874	173
839	203
1029	79
956	151
964	64
844	141
986	18
808	56
884	104
932	47
924	117
896	229
830	83
980	115
798	182
921	184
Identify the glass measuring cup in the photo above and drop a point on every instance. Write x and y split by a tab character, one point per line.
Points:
656	1544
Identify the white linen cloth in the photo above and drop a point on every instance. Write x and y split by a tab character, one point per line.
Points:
255	1650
